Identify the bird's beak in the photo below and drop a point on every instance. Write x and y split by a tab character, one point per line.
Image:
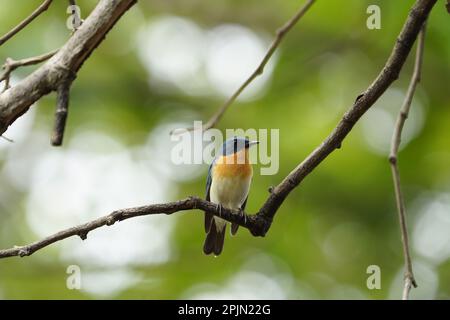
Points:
251	143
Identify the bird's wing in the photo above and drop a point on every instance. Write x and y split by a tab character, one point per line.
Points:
208	216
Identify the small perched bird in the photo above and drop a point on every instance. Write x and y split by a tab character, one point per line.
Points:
228	184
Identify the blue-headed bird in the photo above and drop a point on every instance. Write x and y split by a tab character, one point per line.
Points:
227	185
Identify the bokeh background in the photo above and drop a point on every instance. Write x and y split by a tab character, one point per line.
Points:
168	63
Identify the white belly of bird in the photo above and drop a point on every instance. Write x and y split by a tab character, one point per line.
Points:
230	192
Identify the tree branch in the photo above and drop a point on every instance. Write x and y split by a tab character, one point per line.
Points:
395	144
260	69
10	65
66	62
7	139
255	223
260	223
43	7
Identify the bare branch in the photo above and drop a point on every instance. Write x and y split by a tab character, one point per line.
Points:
10	65
260	69
66	62
260	223
395	144
364	101
62	109
43	7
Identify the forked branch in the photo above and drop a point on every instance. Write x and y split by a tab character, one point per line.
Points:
260	69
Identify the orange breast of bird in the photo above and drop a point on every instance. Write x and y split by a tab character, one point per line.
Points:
234	165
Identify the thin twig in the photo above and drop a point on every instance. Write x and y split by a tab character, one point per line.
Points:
43	7
259	70
395	144
10	65
260	223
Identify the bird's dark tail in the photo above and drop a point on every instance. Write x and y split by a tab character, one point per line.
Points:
215	238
